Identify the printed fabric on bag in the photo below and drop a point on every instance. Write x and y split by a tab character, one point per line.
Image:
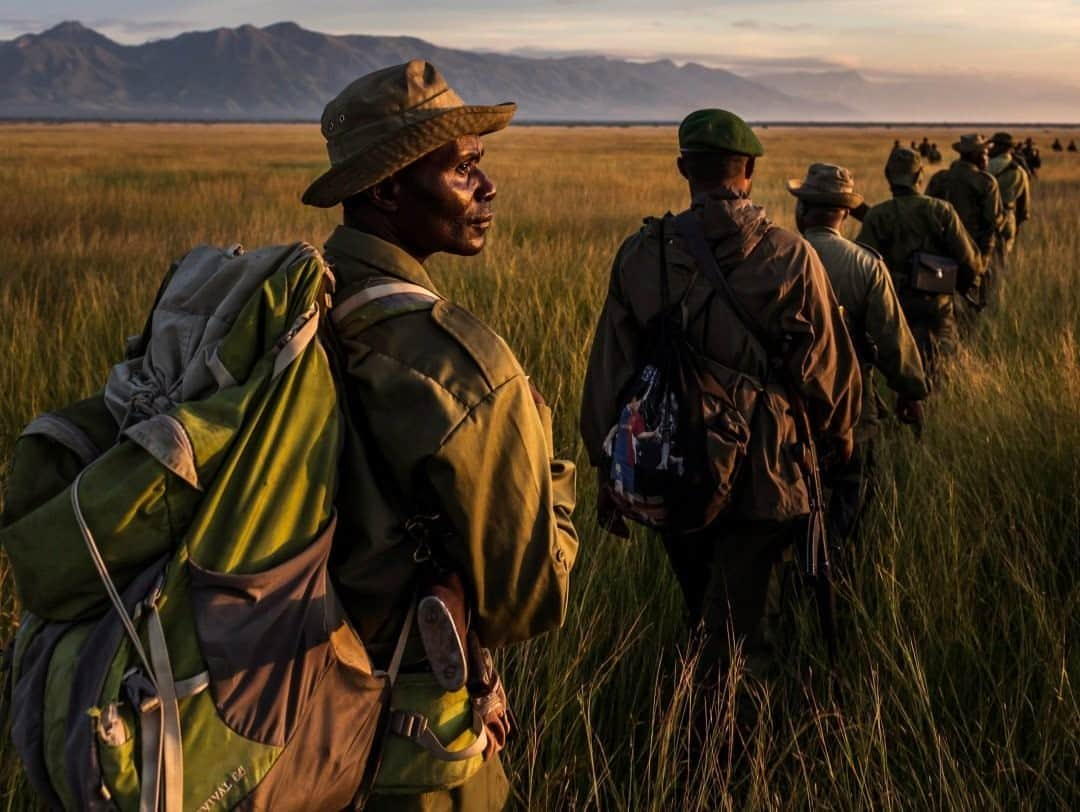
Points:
676	448
644	447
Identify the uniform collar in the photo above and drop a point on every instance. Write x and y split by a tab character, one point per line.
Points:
822	230
379	254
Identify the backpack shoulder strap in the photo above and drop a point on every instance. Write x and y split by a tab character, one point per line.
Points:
382	298
689	227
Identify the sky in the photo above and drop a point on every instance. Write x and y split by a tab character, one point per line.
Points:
1031	38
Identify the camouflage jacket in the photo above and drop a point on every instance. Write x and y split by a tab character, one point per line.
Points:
442	419
864	288
781	282
975	196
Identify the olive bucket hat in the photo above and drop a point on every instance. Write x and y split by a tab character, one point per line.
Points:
827	185
384	121
1003	139
972	142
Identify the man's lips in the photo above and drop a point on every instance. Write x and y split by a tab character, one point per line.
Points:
482	221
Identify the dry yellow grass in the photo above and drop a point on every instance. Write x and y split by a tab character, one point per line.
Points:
960	661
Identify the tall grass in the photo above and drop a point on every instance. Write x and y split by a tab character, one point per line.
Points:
961	615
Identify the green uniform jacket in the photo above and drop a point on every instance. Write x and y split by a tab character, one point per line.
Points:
864	288
442	419
781	283
912	222
974	194
1015	188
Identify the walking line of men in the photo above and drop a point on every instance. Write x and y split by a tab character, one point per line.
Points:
443	406
444	425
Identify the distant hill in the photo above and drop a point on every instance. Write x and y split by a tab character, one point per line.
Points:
949	97
285	71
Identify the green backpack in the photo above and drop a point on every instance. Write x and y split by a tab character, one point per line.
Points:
181	645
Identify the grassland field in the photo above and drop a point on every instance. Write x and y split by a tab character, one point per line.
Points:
960	658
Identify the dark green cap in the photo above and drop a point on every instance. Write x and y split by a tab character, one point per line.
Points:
718	130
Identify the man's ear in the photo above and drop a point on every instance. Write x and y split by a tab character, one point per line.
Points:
385	195
681	164
750	167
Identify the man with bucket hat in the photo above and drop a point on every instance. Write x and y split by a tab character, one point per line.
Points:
880	333
973	192
726	570
1014	185
912	224
448	481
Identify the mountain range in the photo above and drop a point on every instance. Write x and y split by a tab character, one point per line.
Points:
284	71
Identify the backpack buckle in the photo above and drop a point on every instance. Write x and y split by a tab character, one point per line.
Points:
407	724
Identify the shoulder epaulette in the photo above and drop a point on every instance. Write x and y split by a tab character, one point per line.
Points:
872	251
492	355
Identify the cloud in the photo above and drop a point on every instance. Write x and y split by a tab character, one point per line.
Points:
754	25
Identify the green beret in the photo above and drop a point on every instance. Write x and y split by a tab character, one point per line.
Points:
718	130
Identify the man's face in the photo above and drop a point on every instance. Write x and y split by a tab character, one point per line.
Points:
980	158
446	200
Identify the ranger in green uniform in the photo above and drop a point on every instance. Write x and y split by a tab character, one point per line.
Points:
449	450
913	222
877	325
973	192
725	570
1014	186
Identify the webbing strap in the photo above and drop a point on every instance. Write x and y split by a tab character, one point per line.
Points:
296	340
151	723
403	638
59	428
414	727
368	295
193	685
106	580
162	751
171	751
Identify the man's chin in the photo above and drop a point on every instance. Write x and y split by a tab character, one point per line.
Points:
468	248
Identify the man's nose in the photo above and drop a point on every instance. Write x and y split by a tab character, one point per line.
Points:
485	190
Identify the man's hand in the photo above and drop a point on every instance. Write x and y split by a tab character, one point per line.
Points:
910	412
538	399
607	514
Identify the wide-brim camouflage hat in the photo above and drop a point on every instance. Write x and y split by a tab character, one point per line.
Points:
384	121
972	142
827	185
